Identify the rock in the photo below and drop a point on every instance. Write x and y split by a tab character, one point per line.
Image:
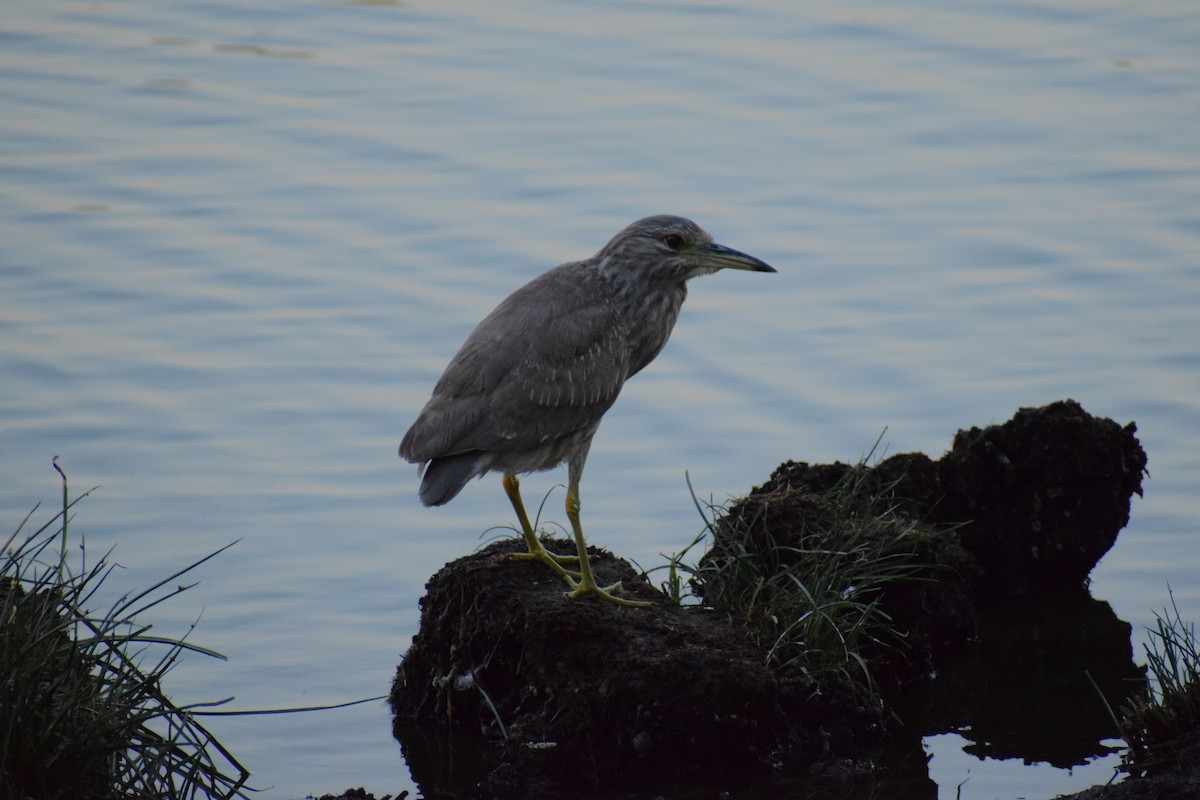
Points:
1045	493
582	693
565	687
1037	500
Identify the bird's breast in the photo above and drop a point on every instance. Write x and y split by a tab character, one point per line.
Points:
650	326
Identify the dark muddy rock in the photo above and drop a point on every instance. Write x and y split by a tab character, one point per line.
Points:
564	696
1038	500
1046	494
589	691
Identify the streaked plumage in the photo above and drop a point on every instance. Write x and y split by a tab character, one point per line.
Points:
528	388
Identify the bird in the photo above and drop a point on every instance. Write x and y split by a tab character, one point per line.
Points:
529	386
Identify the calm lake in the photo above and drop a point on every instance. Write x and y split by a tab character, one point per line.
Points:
239	242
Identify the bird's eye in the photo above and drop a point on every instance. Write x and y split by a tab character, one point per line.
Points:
674	241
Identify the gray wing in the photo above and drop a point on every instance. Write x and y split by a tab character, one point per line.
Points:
544	365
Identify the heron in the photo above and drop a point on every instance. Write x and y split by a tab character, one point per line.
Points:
527	390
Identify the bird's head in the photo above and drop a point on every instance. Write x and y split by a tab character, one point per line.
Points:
669	250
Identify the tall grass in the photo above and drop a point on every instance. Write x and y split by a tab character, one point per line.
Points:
82	711
1162	726
806	572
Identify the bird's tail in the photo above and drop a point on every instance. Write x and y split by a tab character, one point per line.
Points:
445	477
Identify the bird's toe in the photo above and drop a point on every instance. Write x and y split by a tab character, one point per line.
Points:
606	593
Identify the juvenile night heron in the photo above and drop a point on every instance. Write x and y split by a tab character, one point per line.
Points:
528	388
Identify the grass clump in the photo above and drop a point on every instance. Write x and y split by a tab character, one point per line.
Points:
1162	725
806	569
82	710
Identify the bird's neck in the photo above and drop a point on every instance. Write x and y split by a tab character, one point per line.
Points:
648	310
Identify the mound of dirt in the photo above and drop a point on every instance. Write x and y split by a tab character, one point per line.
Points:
564	696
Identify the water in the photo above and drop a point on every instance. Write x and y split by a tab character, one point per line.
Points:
238	243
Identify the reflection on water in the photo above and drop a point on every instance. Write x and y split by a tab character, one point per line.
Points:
238	242
1030	688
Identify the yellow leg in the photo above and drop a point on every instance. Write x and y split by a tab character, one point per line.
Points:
587	583
512	487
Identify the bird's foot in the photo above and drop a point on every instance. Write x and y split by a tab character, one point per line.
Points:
581	588
555	562
580	581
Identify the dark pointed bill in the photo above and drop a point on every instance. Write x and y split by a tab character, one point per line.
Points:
724	257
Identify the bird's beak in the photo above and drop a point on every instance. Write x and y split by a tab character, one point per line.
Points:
719	256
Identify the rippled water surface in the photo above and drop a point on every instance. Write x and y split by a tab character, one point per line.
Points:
238	243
